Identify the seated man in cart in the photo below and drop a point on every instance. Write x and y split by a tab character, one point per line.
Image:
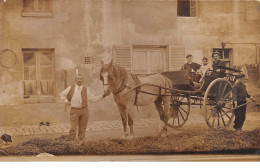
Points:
219	69
216	64
192	69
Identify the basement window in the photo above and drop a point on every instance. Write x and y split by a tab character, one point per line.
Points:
187	8
37	8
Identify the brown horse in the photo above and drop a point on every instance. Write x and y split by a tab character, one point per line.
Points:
116	80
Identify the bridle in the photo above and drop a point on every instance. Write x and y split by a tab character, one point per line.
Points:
105	78
105	82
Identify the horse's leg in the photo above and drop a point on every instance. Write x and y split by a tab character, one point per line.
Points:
130	110
123	115
166	104
158	105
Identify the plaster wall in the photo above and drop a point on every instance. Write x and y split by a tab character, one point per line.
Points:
92	27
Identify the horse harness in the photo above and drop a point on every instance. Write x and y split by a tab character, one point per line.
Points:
137	90
124	85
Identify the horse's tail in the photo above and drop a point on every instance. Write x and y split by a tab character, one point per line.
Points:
137	108
169	82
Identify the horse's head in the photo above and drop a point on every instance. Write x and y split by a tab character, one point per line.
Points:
107	77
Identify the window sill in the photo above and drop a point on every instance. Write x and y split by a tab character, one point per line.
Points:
188	18
37	14
47	99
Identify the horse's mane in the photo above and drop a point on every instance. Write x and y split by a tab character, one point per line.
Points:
119	72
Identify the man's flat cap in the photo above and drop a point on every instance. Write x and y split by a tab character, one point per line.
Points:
216	53
189	55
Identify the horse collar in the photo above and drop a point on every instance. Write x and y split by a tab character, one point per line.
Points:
122	87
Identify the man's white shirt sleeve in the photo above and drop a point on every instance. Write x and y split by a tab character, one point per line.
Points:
63	95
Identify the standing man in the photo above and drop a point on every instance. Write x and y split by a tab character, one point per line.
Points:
77	98
191	67
216	63
239	95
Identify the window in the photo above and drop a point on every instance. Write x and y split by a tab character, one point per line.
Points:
187	8
41	8
225	55
147	59
38	75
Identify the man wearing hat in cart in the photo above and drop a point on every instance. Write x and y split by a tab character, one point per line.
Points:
239	96
216	63
191	67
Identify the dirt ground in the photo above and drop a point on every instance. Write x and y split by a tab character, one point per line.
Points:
190	139
198	139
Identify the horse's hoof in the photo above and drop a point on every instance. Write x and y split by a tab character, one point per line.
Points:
164	134
124	136
131	136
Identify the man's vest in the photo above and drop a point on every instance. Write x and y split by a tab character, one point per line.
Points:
83	95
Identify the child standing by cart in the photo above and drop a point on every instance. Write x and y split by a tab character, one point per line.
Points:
239	96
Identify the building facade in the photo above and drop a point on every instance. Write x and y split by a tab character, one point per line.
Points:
44	42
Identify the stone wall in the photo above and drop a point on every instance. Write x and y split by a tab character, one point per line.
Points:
92	27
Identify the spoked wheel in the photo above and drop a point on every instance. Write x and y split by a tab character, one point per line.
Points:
179	110
218	104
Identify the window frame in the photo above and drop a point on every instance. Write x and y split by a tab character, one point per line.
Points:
39	98
36	12
191	8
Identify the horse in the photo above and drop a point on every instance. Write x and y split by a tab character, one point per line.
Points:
116	80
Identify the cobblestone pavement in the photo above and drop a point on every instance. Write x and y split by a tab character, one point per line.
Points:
252	121
92	126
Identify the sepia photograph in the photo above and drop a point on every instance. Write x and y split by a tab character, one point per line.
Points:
130	80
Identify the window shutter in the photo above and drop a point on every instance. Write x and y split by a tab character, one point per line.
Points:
197	8
177	57
123	56
194	8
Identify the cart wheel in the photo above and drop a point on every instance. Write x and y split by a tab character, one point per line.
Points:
218	104
179	110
